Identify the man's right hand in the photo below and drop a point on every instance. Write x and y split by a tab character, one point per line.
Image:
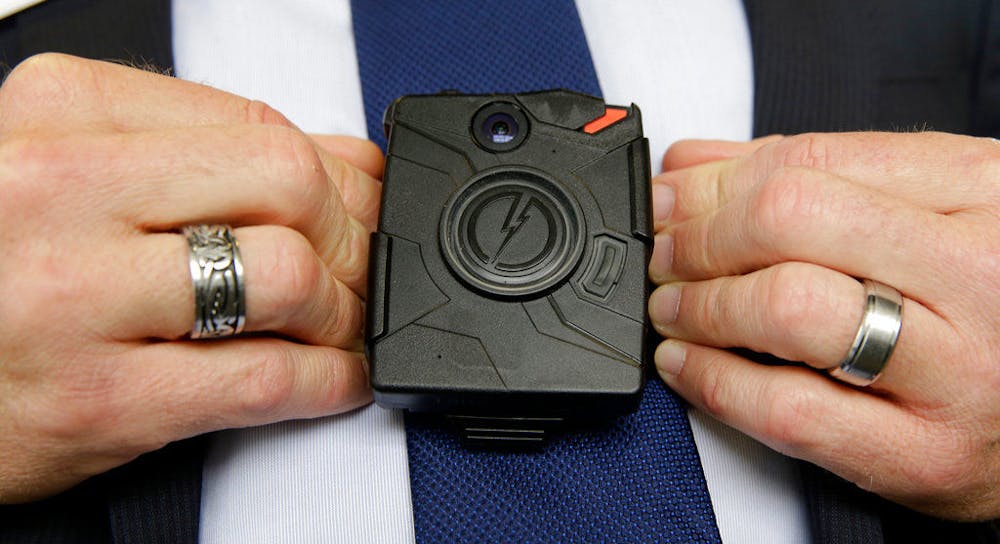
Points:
100	167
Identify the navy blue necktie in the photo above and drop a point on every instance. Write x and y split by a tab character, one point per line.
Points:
638	479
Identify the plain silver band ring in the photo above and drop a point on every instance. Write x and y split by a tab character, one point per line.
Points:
876	337
217	276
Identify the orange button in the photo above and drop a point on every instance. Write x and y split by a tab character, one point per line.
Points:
610	117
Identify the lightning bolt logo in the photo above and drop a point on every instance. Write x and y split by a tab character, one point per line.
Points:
517	216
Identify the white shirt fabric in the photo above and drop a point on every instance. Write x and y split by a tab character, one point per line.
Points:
10	7
687	64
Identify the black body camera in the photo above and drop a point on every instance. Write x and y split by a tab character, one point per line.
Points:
508	274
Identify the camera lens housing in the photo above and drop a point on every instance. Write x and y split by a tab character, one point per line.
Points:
499	126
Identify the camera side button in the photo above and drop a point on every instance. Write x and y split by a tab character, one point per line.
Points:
378	279
605	268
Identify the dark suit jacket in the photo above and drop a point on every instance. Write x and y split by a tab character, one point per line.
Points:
819	66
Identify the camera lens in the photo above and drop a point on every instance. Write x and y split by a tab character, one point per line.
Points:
499	126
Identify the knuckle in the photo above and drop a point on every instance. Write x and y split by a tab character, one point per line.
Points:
982	255
342	382
713	390
674	152
782	205
39	169
788	417
712	311
75	419
353	253
703	247
40	81
695	249
371	154
21	171
346	323
84	402
269	385
27	160
260	113
302	181
792	300
37	71
350	181
339	320
295	271
812	150
985	165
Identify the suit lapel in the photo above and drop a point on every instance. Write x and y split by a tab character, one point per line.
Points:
814	67
136	31
156	498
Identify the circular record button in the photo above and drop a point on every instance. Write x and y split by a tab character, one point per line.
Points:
512	232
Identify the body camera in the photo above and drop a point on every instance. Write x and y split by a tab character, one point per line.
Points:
508	273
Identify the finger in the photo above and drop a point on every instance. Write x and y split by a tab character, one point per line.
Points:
801	312
194	176
686	153
288	289
936	171
360	192
807	215
362	154
189	388
256	174
863	438
90	94
140	396
693	192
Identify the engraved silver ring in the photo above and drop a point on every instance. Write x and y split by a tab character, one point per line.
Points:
876	337
217	276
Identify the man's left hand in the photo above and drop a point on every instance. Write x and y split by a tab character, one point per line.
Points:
761	245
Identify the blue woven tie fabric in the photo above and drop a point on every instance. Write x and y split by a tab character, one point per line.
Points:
491	46
638	479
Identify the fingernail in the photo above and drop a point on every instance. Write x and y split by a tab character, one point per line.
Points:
669	357
664	304
663	257
663	202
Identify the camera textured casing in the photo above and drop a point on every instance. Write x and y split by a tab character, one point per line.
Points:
507	277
